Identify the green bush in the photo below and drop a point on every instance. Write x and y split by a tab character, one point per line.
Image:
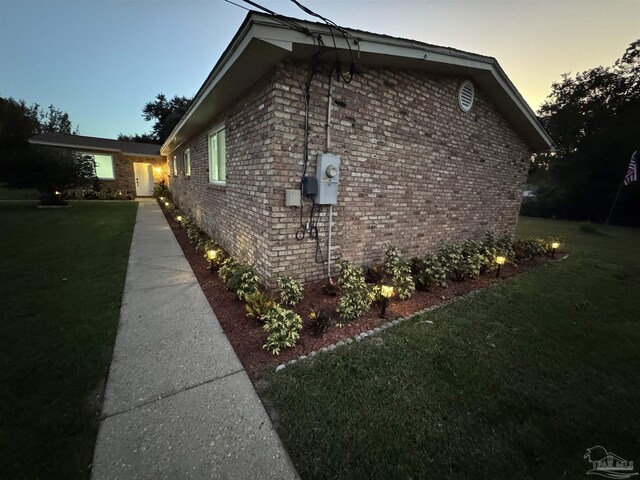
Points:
283	327
291	291
258	305
433	272
528	248
452	257
354	304
355	300
227	268
243	280
161	189
399	269
320	322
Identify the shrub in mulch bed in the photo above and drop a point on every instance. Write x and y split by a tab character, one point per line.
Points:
247	335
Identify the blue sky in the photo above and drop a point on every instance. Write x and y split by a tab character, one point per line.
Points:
102	60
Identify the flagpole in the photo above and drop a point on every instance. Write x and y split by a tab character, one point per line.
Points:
613	205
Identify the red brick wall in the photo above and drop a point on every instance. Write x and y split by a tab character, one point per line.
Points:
416	171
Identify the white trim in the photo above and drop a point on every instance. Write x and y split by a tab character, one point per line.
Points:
214	132
186	162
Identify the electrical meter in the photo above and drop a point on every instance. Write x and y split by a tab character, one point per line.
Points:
328	177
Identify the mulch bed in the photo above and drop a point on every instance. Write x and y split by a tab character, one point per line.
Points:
247	335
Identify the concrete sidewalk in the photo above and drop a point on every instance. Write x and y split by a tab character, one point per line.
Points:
178	403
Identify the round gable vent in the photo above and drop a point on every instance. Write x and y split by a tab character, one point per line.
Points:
466	95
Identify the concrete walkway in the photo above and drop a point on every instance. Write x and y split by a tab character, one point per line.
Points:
178	403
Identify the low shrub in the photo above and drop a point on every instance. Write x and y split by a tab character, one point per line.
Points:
355	300
227	268
452	257
528	248
433	272
354	304
320	322
258	305
398	268
243	280
291	291
161	189
283	327
102	194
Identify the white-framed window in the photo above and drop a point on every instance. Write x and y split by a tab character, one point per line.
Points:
187	162
217	155
175	166
104	165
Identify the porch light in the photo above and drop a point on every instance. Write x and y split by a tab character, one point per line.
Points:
212	255
500	260
157	170
386	292
554	247
179	220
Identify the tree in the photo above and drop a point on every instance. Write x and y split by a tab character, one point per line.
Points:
23	165
165	113
140	138
594	119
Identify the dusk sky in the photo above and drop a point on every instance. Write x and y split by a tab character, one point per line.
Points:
102	60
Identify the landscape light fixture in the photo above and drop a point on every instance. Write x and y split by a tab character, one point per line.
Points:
500	260
554	247
211	255
179	220
162	199
386	292
166	204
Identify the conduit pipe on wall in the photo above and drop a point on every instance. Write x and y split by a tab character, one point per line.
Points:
327	149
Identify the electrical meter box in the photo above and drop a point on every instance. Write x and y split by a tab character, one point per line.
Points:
328	176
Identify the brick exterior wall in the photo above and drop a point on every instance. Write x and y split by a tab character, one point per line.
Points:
123	170
416	171
237	215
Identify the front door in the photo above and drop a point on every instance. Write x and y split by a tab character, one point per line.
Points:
144	179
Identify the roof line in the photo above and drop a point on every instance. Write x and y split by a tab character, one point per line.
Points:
257	18
88	149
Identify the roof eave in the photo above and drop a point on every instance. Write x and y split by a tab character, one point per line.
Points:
257	26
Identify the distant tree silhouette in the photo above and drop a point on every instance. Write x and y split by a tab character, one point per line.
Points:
594	119
165	113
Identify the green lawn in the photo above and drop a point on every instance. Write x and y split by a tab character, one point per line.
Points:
17	194
515	382
62	275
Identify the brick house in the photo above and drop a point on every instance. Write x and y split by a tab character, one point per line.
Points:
126	166
434	146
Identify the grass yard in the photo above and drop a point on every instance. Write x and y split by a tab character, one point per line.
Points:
18	194
514	382
62	273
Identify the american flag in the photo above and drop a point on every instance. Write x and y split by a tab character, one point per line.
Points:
632	172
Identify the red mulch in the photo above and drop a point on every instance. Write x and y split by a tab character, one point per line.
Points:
247	336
